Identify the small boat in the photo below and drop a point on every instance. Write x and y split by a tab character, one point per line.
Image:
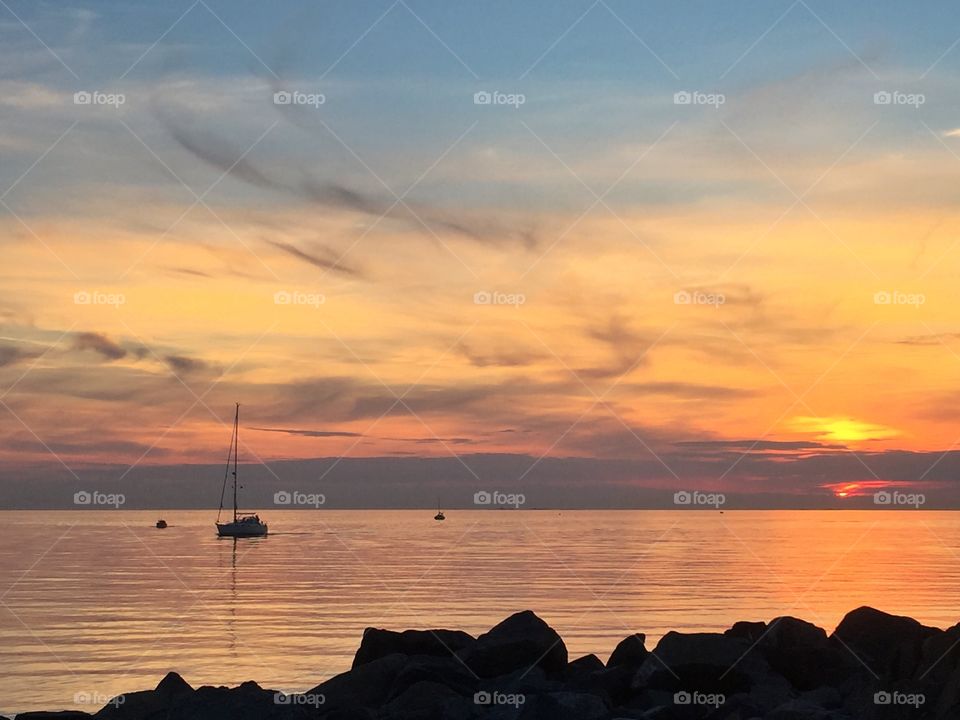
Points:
161	524
439	515
241	525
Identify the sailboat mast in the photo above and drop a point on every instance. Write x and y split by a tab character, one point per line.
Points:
236	442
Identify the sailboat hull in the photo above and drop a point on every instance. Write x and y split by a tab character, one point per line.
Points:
241	529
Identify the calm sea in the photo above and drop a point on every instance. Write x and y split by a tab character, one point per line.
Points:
94	604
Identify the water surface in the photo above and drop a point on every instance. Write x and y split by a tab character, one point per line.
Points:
103	603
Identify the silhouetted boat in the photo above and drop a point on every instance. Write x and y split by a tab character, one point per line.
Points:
439	515
242	525
161	524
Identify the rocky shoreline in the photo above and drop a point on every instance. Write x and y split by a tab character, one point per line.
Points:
874	666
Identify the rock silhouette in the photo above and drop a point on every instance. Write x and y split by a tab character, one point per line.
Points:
875	666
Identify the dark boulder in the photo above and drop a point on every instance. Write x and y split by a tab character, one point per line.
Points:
564	706
890	645
520	642
427	701
449	672
378	643
584	665
800	710
366	686
172	687
631	651
745	630
802	653
171	691
711	664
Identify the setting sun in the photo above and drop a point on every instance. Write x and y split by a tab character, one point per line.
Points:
842	429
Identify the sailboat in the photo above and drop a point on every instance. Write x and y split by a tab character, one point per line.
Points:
439	515
242	525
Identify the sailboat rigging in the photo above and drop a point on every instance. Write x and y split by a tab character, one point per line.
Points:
242	525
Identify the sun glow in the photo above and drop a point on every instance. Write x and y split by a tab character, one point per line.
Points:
843	429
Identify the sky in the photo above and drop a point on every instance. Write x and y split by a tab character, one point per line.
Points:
595	252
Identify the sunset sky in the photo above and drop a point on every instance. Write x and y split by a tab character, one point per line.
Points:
754	291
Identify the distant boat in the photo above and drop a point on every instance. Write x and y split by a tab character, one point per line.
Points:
161	524
439	515
242	525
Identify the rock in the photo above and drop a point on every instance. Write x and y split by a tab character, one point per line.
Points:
448	672
707	662
172	686
378	643
802	653
888	644
825	697
744	630
940	653
427	701
172	695
948	698
631	651
564	706
522	641
800	710
785	670
54	715
711	664
366	686
584	665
